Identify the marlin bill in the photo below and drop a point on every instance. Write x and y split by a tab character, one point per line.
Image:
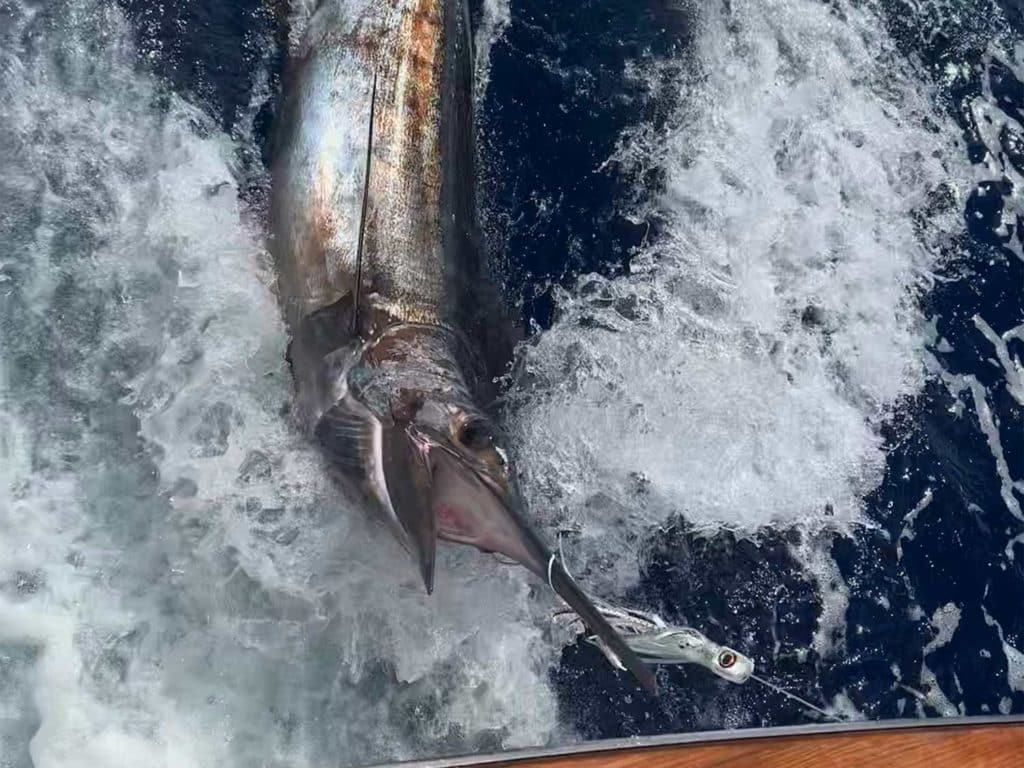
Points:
397	333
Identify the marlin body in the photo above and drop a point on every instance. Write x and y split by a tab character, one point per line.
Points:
397	332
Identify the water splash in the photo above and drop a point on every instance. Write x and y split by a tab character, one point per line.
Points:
741	371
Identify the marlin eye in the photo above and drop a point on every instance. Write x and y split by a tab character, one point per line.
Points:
726	659
476	435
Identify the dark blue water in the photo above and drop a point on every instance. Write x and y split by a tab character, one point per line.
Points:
557	103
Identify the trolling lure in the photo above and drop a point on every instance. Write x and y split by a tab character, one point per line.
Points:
655	642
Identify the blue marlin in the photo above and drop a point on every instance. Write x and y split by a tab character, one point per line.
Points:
397	332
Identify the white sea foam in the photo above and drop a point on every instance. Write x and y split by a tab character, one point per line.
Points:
497	15
935	697
1013	369
945	622
910	520
745	364
830	633
990	428
993	121
1014	657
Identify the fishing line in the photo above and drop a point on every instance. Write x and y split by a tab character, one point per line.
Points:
362	213
796	698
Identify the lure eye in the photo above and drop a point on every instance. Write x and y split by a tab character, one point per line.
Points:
726	659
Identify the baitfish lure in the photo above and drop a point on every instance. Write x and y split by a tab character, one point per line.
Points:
655	642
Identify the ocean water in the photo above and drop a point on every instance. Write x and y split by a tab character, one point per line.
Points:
770	256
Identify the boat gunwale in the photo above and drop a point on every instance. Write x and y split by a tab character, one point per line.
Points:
705	737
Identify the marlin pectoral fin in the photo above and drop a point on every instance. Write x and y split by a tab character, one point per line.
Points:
395	474
408	478
351	436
